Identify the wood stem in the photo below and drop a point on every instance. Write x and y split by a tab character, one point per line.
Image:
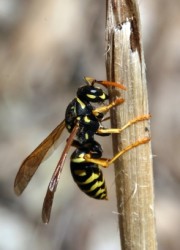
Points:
133	171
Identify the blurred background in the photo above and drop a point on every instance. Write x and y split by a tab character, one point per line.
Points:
46	47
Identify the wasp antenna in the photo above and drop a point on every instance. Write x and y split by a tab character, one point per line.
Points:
89	80
112	84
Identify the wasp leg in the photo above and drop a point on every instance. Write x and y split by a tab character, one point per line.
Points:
105	119
106	108
119	130
106	162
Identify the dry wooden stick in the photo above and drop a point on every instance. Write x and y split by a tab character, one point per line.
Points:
133	171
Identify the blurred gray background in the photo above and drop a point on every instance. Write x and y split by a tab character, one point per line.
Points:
46	47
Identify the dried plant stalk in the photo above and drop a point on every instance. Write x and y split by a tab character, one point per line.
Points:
134	178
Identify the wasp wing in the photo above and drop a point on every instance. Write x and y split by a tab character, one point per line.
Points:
48	200
32	162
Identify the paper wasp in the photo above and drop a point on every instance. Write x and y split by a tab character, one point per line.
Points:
83	121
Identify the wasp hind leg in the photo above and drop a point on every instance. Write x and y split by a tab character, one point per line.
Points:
107	162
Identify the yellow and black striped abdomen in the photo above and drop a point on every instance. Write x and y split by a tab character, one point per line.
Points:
89	179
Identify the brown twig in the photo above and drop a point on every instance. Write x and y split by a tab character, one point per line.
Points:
134	179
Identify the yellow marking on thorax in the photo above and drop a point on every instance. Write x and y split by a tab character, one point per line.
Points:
86	119
73	109
86	136
78	159
68	126
81	103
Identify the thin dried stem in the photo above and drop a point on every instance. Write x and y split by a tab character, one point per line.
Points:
134	178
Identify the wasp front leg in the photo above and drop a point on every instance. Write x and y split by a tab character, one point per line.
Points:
106	108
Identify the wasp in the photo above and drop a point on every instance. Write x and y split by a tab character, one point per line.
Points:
83	121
